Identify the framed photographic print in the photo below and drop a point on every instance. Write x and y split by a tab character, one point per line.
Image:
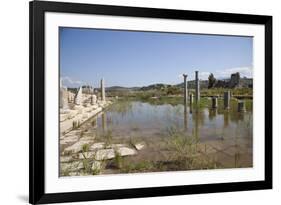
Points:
140	102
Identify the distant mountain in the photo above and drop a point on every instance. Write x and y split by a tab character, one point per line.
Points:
233	82
120	88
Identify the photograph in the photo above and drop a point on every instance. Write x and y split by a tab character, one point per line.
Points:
135	102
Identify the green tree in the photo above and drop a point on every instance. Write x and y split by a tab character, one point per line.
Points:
212	80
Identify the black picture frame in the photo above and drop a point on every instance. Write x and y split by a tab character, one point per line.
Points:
37	10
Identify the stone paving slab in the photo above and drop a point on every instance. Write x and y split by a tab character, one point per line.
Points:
98	145
105	154
139	146
76	147
125	151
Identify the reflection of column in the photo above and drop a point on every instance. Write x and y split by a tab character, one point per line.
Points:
241	106
190	102
104	124
95	122
226	119
185	90
226	99
214	102
212	113
197	87
196	125
185	118
102	89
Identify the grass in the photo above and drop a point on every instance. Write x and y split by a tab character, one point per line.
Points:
185	154
118	160
140	166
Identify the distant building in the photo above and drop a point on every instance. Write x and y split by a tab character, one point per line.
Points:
234	80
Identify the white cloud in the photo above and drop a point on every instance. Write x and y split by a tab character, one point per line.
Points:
70	82
244	72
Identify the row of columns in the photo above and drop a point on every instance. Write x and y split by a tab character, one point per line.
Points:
226	96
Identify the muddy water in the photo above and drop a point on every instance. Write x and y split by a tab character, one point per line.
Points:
222	138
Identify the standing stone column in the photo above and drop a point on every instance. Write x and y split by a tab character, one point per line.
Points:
102	89
185	90
226	99
197	87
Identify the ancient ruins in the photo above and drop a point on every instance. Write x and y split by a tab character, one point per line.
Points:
76	108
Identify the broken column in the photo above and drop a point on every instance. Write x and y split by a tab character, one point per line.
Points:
241	106
226	99
78	97
197	87
63	96
185	90
214	102
102	89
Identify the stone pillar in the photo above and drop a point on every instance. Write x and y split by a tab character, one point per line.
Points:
214	102
78	97
226	99
102	89
241	106
185	94
197	87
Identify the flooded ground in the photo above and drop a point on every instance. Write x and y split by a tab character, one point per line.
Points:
159	135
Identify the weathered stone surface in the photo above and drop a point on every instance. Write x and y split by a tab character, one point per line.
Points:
116	146
104	154
139	146
77	147
78	97
87	139
95	146
93	99
125	151
70	139
65	159
63	117
73	166
96	165
63	98
86	155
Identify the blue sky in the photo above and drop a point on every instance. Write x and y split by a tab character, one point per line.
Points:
126	58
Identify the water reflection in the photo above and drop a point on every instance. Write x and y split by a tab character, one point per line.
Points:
225	119
148	120
104	121
212	113
185	114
